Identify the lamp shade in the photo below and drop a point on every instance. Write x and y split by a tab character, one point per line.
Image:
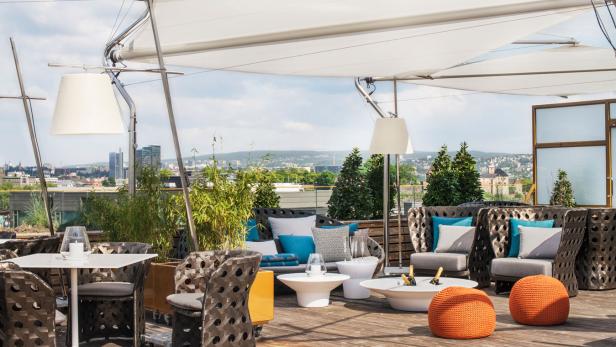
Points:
86	104
390	136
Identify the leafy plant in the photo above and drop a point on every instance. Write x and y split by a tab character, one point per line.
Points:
265	192
36	215
351	197
468	184
562	194
221	207
374	178
145	217
442	182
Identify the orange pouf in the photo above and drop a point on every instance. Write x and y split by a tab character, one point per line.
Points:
461	313
539	300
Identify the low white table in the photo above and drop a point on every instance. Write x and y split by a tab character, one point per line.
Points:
413	298
359	269
5	240
312	291
93	261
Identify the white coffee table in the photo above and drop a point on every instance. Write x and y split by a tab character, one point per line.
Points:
359	269
413	298
312	291
93	261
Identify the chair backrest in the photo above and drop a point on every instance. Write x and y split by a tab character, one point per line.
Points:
8	235
493	203
44	244
27	310
265	229
6	254
420	222
129	273
496	222
225	316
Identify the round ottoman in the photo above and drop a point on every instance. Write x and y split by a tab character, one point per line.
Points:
461	313
539	300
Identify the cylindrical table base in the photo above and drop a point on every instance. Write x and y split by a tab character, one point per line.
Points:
352	289
313	299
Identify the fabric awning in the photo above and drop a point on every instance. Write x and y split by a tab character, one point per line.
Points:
342	38
559	71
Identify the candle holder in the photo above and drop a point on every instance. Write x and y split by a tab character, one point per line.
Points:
315	265
75	244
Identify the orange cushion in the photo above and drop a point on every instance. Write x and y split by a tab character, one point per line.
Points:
461	313
539	300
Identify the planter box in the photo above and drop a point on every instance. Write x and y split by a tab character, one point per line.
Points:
160	283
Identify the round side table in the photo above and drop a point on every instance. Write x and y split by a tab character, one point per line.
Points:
312	291
359	270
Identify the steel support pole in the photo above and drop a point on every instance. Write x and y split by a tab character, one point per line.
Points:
399	208
174	132
386	163
33	139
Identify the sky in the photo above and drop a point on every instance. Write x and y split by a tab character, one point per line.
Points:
246	111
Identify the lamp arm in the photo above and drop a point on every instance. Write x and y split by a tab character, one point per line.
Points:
110	60
368	98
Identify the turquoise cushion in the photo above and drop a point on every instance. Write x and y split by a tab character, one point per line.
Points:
301	246
353	227
437	221
514	232
252	233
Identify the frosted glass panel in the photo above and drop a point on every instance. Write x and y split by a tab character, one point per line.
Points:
585	167
568	124
613	112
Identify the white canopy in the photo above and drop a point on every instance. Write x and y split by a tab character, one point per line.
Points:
559	71
352	38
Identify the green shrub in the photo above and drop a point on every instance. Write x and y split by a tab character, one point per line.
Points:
351	196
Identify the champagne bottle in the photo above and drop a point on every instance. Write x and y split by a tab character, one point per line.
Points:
412	276
437	277
405	280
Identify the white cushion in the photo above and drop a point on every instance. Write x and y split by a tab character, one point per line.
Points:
432	261
186	301
292	226
517	268
455	239
539	243
111	289
263	247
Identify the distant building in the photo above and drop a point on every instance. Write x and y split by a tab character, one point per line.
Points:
116	165
495	181
149	156
330	168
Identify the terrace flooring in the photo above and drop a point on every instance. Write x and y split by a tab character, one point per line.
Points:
592	322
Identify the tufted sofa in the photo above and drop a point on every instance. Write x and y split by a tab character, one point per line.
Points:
425	262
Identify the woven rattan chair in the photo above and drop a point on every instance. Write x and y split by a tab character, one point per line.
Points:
265	231
595	266
111	300
45	244
27	307
495	223
421	232
211	300
8	235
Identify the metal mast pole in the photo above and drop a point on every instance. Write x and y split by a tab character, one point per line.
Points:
33	139
174	132
399	209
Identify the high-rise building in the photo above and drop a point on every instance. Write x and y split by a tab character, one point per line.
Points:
148	156
116	165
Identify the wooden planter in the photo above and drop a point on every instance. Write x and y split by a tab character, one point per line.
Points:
160	283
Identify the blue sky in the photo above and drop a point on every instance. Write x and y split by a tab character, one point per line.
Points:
248	111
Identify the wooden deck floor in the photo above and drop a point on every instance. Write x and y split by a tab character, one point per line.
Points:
592	322
371	322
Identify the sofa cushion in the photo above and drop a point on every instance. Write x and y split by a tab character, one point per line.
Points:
432	261
292	226
301	246
539	243
110	289
514	232
515	267
263	247
455	239
438	221
278	270
186	301
332	244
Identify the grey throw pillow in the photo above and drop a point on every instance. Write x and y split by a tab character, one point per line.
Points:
301	226
539	243
455	239
332	244
359	244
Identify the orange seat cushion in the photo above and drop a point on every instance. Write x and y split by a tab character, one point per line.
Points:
461	313
539	300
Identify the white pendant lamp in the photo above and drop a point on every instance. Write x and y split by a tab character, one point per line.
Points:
390	136
86	105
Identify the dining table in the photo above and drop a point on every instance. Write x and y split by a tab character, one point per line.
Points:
90	261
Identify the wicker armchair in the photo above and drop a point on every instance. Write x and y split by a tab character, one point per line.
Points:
45	244
27	307
111	300
211	300
595	267
420	228
495	223
8	235
265	231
